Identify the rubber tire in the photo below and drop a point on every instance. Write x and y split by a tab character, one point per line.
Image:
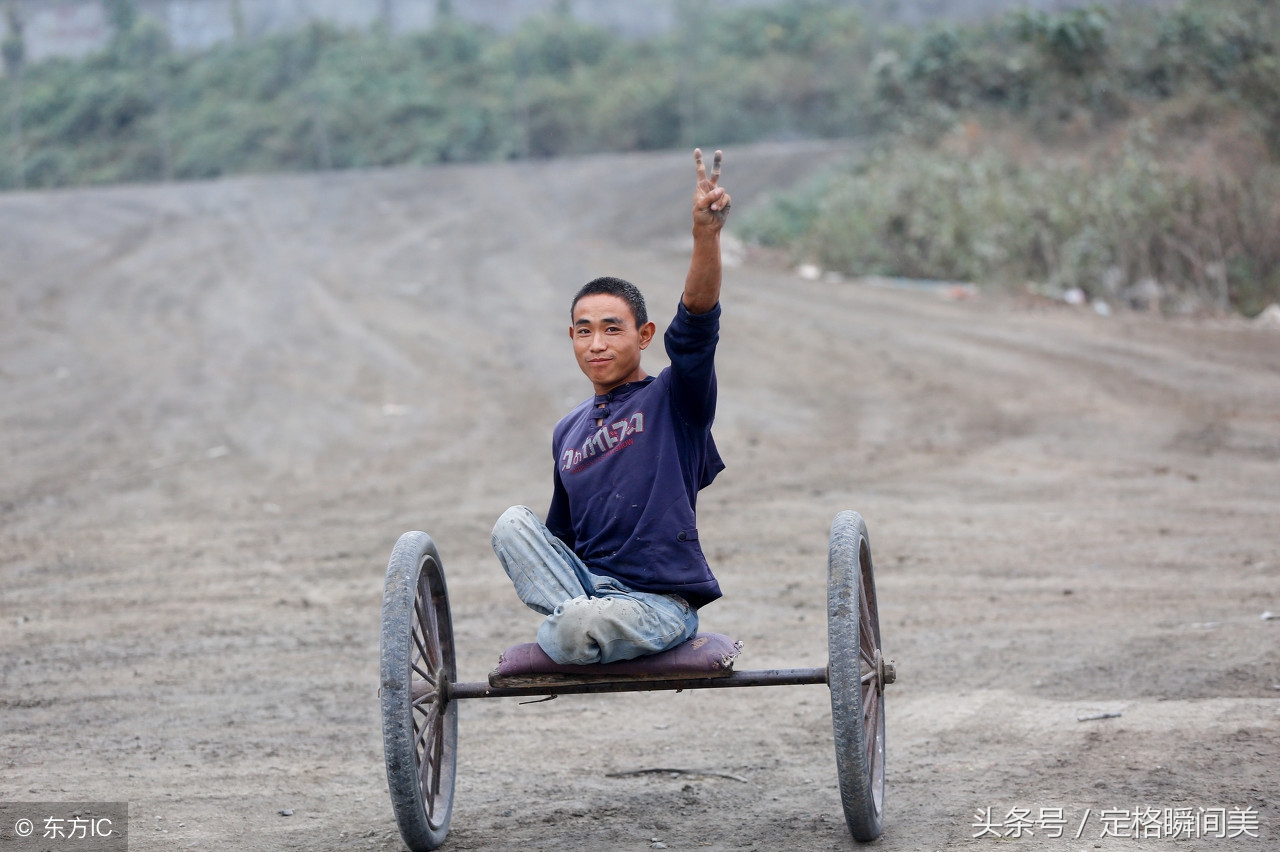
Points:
414	567
861	776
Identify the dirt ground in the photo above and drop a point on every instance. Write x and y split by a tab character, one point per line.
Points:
221	403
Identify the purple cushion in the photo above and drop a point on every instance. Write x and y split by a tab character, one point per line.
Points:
705	655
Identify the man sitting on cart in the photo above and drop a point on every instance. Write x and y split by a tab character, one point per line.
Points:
617	568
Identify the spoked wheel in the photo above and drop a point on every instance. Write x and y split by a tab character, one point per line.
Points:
857	673
419	720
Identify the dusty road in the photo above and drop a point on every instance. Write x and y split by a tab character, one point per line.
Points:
220	404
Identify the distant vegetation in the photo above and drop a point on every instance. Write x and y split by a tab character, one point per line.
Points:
1131	155
327	98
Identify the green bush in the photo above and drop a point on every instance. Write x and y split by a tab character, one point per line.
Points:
1074	42
1101	227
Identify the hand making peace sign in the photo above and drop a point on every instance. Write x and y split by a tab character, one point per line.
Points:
710	201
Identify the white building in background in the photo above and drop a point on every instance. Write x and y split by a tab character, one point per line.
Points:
78	27
59	29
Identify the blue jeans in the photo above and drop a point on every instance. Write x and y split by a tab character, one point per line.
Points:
590	618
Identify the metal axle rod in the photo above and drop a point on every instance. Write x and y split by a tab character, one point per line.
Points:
764	677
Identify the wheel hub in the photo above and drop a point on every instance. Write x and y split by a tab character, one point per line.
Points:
888	674
444	689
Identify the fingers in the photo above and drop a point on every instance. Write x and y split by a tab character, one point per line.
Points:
709	198
720	207
702	168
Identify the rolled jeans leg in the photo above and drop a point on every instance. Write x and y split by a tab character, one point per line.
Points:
545	572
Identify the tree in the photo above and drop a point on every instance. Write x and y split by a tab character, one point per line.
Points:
14	49
153	45
121	15
1075	41
237	19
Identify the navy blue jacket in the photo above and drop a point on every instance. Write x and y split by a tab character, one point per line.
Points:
630	463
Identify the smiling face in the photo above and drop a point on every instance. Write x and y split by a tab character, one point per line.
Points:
607	342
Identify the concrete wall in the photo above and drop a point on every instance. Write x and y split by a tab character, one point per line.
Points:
77	27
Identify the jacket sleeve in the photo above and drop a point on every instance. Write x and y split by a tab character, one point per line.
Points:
691	345
559	521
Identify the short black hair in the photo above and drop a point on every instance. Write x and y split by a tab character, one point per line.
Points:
624	290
